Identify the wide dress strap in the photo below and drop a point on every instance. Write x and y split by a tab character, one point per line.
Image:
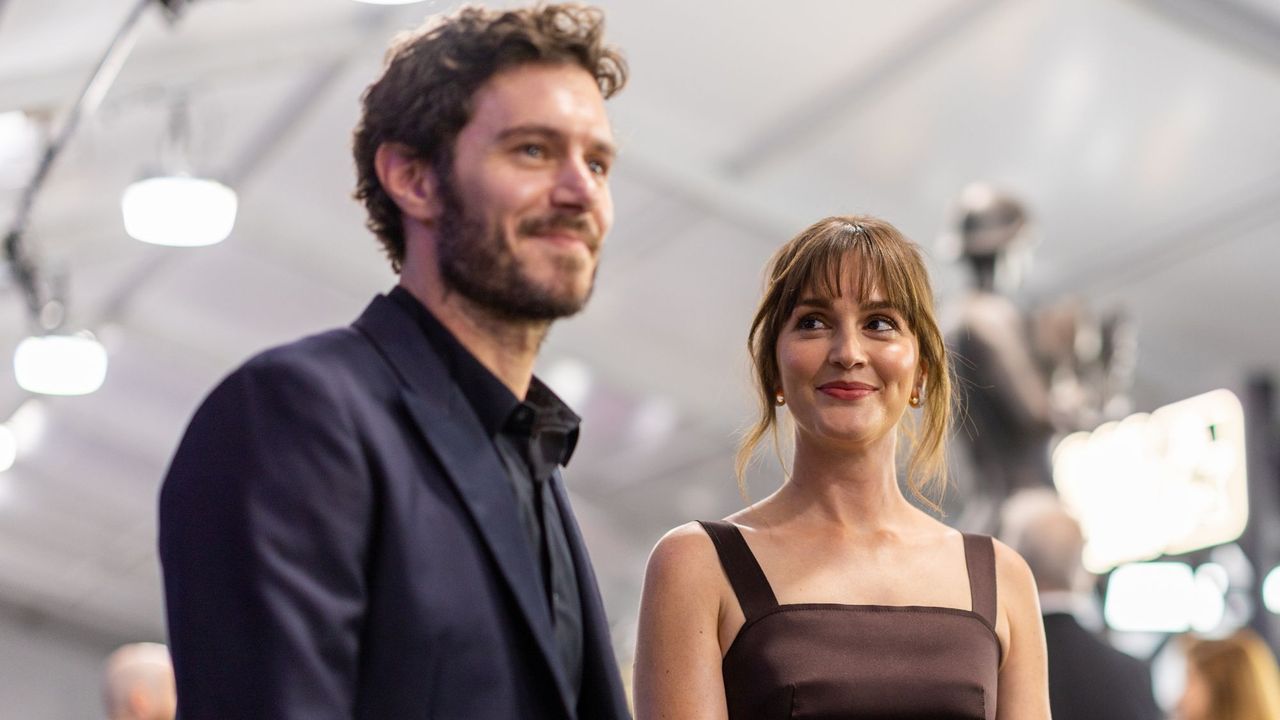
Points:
980	561
745	576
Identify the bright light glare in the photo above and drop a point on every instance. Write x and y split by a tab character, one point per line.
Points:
28	424
1271	591
179	211
1215	575
1210	604
8	448
60	364
1151	597
1159	484
1231	558
570	379
19	148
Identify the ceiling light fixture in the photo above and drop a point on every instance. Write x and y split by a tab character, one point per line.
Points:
52	363
174	207
20	141
60	364
179	211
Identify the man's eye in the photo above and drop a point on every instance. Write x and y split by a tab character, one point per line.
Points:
598	167
533	151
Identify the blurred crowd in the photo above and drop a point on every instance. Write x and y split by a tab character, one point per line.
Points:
1227	678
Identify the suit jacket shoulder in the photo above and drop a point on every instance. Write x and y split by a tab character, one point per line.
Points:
1090	679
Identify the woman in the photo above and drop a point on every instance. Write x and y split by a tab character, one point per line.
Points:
1230	679
835	596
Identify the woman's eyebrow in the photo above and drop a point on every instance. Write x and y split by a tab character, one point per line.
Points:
880	305
818	302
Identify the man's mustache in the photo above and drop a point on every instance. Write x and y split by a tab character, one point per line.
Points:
578	224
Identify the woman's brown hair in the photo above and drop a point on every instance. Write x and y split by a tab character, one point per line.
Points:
1241	673
863	254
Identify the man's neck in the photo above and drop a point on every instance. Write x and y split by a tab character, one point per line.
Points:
507	348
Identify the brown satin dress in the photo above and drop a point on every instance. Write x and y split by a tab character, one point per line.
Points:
863	662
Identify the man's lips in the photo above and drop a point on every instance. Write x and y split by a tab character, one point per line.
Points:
562	237
562	230
846	390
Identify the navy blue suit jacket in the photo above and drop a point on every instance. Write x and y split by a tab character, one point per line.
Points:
1090	680
339	539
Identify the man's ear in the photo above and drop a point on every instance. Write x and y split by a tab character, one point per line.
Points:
409	180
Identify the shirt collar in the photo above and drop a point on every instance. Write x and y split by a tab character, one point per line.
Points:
493	402
547	421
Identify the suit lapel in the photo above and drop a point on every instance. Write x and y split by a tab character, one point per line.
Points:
602	694
471	463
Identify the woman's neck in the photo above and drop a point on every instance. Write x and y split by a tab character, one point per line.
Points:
854	488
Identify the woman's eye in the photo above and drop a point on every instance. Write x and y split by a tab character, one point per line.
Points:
810	322
881	324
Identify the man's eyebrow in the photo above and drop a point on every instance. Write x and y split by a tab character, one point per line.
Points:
604	147
597	145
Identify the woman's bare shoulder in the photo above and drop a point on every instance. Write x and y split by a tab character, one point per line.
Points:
1012	571
685	551
1018	599
684	568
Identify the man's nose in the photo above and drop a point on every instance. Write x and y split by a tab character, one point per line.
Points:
576	187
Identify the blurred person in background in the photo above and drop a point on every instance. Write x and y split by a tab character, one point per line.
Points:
836	594
371	522
1234	678
1024	375
1006	397
1088	679
137	683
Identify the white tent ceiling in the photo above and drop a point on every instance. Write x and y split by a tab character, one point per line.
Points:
1142	134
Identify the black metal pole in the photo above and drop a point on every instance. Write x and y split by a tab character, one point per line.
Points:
25	270
1261	539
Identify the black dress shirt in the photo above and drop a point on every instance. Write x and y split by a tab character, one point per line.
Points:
533	437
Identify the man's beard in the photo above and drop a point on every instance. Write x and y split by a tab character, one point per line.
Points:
476	262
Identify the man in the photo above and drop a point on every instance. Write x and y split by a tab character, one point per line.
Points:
371	523
1088	679
137	683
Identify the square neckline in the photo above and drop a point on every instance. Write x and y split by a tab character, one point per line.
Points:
726	535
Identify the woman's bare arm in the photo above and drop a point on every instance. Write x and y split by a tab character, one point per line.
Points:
1024	674
677	665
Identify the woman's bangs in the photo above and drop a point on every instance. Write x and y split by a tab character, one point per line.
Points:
842	266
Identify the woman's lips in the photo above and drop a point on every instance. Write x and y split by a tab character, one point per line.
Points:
846	390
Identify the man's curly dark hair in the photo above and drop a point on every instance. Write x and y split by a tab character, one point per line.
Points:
424	97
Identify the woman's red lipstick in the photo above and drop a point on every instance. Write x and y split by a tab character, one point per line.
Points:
846	390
